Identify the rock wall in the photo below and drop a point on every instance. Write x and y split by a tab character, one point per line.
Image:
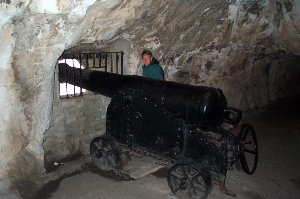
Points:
33	36
237	46
75	122
249	48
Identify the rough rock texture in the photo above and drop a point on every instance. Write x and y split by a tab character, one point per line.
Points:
75	123
249	48
34	35
236	46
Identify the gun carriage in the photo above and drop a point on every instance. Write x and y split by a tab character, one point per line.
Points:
176	123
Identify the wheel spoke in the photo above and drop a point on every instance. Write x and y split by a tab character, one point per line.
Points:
107	148
200	182
249	151
192	173
247	142
194	177
104	162
245	165
245	133
97	145
196	190
176	175
184	171
177	189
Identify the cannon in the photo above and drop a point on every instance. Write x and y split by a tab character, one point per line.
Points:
179	124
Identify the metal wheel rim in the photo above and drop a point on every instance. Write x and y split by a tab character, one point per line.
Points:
104	153
247	131
186	181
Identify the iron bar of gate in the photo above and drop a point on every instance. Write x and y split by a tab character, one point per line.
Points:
101	56
111	62
80	63
66	81
122	53
100	60
58	80
117	63
94	60
105	62
86	61
73	65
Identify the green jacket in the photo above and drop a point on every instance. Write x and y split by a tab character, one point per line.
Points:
154	70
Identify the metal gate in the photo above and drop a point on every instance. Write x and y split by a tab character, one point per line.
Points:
111	62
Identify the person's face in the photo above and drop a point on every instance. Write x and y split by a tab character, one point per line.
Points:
147	59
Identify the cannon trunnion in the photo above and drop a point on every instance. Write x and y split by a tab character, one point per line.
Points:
180	124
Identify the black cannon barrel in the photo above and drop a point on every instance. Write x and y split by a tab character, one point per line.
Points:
199	105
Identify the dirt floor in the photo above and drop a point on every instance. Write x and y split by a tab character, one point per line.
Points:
277	175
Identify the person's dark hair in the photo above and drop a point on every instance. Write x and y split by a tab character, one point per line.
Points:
146	52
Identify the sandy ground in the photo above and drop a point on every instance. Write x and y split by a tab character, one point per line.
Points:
277	175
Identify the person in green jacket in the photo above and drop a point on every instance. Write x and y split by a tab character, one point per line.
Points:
151	67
